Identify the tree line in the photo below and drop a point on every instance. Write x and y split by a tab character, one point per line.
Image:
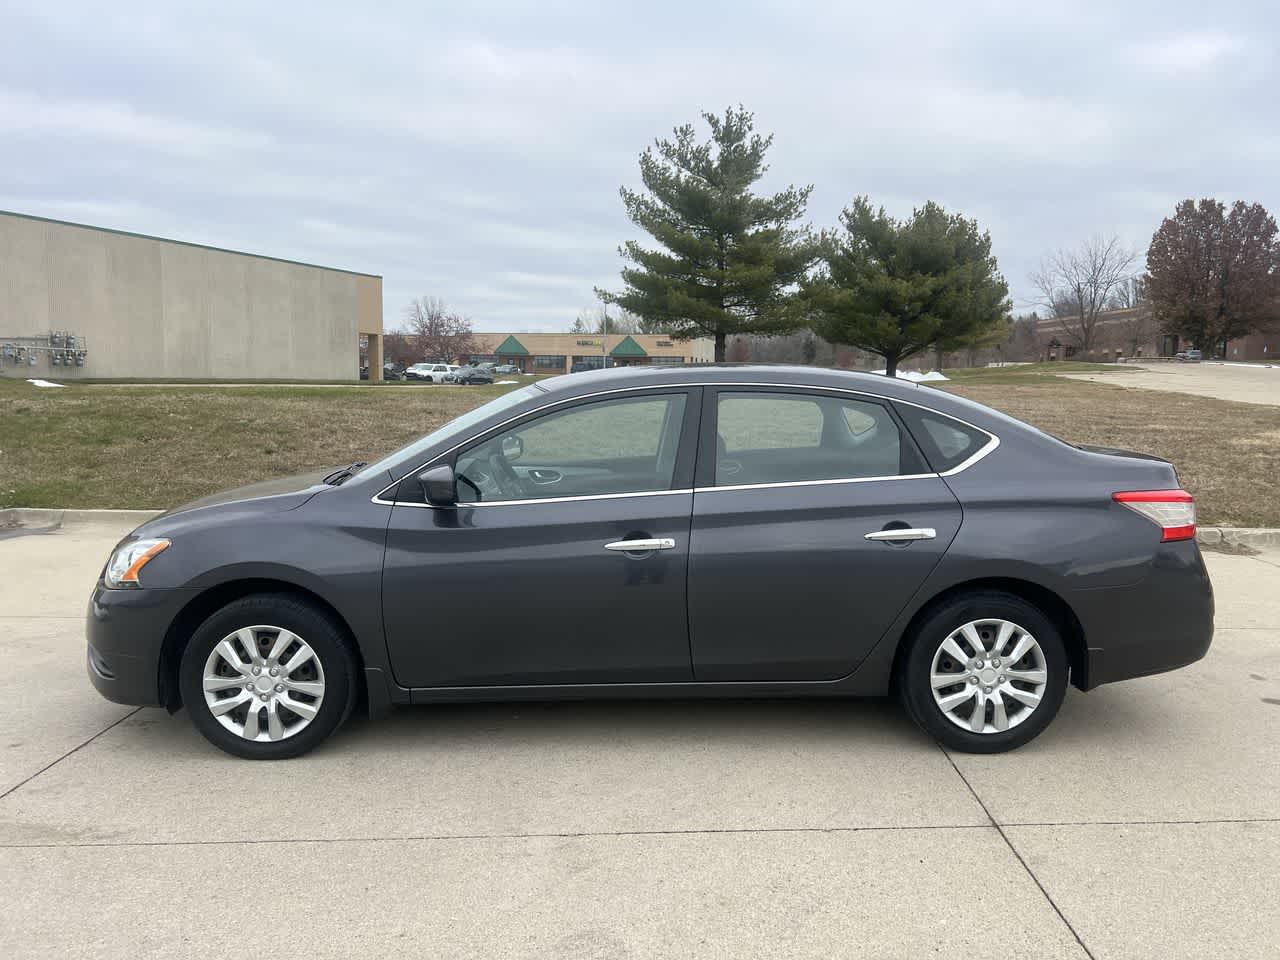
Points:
728	262
741	268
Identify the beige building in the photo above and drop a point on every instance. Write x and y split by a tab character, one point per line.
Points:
1133	332
84	302
559	352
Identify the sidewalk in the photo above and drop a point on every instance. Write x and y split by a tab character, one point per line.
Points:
1144	823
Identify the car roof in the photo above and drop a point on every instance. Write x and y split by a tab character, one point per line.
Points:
567	386
617	378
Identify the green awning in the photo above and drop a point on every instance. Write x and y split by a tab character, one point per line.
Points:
628	348
511	347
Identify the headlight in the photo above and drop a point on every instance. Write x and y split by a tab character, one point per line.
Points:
129	559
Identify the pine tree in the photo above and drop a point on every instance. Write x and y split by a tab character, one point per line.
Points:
897	288
728	260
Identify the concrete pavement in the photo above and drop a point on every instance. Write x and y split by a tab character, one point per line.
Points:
1225	381
1145	822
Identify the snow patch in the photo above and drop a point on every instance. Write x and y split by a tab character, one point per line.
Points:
498	383
46	383
933	376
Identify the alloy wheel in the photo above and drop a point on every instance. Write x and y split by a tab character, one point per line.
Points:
263	683
988	676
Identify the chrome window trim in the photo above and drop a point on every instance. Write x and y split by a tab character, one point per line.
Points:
987	448
812	483
523	503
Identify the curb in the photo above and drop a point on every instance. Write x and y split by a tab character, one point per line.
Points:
1239	536
43	518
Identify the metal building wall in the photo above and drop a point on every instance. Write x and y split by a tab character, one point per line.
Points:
152	308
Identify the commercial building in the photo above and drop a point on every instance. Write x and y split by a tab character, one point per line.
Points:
85	302
558	352
1133	332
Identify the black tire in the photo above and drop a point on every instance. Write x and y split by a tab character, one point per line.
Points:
327	639
913	681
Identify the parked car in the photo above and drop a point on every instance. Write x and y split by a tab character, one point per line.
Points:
430	372
581	367
1189	356
850	535
393	371
476	374
364	372
506	368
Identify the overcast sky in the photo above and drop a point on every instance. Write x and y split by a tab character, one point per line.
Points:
474	151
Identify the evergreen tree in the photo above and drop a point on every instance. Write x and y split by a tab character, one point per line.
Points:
728	260
896	288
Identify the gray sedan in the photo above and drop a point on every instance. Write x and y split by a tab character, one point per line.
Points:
649	532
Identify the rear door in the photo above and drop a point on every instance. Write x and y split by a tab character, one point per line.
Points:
815	519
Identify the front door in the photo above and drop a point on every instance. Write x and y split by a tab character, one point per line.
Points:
783	583
529	579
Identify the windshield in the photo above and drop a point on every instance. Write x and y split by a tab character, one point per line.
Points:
455	426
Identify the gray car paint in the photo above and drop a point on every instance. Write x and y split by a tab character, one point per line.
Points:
784	596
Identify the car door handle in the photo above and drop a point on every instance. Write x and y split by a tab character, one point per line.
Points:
902	535
641	546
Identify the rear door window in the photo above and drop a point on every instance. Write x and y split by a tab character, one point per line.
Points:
777	437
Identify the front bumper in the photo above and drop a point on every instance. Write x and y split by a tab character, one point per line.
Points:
125	630
1161	623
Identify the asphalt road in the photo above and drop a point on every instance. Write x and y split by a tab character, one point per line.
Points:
1144	823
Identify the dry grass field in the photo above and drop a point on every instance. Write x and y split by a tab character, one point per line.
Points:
114	445
1227	454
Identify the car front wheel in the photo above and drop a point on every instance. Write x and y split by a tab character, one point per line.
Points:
268	677
986	672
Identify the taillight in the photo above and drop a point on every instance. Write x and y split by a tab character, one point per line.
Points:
1173	511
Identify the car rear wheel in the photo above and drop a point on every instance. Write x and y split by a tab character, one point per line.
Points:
986	672
268	677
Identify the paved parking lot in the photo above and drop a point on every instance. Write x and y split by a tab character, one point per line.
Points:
1245	383
1144	823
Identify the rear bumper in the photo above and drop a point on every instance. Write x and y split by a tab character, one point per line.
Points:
125	630
1163	622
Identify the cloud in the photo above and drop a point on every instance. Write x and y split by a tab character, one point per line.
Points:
1188	51
474	152
29	116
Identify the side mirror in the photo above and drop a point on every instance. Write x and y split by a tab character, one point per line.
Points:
439	486
512	447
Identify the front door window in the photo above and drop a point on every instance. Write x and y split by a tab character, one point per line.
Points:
604	448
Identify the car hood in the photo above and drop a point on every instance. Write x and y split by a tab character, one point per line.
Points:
284	493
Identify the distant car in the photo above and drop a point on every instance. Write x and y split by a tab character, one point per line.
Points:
581	367
470	374
364	373
506	368
429	372
393	371
1190	356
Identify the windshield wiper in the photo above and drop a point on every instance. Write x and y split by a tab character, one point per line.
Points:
337	478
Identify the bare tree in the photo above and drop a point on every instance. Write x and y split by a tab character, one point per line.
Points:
438	332
600	320
1026	343
1127	295
399	348
1134	327
1078	285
